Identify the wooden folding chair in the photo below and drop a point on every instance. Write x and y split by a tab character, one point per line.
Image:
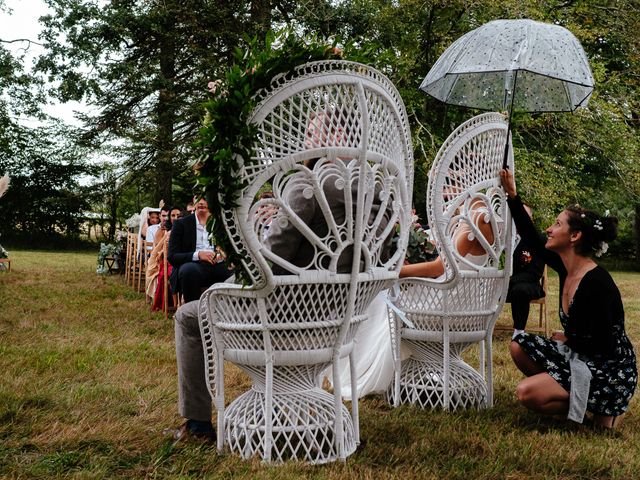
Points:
143	255
165	281
127	262
543	326
133	260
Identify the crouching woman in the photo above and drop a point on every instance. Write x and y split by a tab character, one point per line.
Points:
590	365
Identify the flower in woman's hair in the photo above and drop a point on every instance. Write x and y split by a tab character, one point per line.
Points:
604	246
525	257
607	213
598	225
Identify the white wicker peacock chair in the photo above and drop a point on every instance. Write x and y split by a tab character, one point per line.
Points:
285	330
438	319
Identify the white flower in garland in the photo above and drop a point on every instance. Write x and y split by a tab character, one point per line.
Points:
4	184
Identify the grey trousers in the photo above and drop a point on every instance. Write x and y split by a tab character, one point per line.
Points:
194	400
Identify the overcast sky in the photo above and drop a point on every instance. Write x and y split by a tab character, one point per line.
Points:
23	23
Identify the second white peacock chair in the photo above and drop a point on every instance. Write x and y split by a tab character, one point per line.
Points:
438	319
284	330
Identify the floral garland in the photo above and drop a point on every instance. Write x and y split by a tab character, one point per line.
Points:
226	135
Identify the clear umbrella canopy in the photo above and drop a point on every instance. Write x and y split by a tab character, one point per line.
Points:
544	64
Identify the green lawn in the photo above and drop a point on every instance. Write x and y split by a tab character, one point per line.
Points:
88	384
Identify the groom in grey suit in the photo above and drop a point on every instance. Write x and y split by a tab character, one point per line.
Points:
194	401
286	241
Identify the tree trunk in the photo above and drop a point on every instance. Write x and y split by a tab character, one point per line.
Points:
166	116
261	16
113	215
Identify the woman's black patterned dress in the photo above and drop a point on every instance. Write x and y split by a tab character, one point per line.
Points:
594	327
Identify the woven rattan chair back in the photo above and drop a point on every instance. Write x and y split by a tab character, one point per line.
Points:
443	317
333	140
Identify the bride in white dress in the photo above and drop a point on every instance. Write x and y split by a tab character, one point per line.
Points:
373	355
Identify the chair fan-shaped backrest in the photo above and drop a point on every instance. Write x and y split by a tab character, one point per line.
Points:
334	147
464	191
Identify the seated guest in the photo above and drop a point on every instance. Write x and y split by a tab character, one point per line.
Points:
148	216
524	284
154	263
196	264
154	228
471	250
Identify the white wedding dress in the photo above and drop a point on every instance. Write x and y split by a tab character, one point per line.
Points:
372	347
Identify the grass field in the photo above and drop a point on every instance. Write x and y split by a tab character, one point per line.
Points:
88	384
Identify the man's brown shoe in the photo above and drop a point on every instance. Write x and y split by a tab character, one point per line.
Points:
184	433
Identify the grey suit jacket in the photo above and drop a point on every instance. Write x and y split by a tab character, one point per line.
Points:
288	243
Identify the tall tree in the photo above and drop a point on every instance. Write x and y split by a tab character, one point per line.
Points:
45	198
145	66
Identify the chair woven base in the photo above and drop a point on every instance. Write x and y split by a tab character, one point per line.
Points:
422	383
302	427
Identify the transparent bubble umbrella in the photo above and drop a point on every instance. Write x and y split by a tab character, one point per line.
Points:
519	65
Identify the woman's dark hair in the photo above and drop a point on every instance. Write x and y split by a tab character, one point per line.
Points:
149	217
169	223
595	229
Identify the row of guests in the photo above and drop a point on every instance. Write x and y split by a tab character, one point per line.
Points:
156	225
206	265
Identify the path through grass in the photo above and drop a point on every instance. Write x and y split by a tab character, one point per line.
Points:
88	383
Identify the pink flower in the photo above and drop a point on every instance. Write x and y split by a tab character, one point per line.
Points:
337	51
213	86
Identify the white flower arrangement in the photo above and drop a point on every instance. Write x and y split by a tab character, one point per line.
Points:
108	250
604	246
121	236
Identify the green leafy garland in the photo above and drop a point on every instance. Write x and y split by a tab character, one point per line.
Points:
226	135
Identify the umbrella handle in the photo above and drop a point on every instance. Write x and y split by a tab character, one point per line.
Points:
506	146
506	143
